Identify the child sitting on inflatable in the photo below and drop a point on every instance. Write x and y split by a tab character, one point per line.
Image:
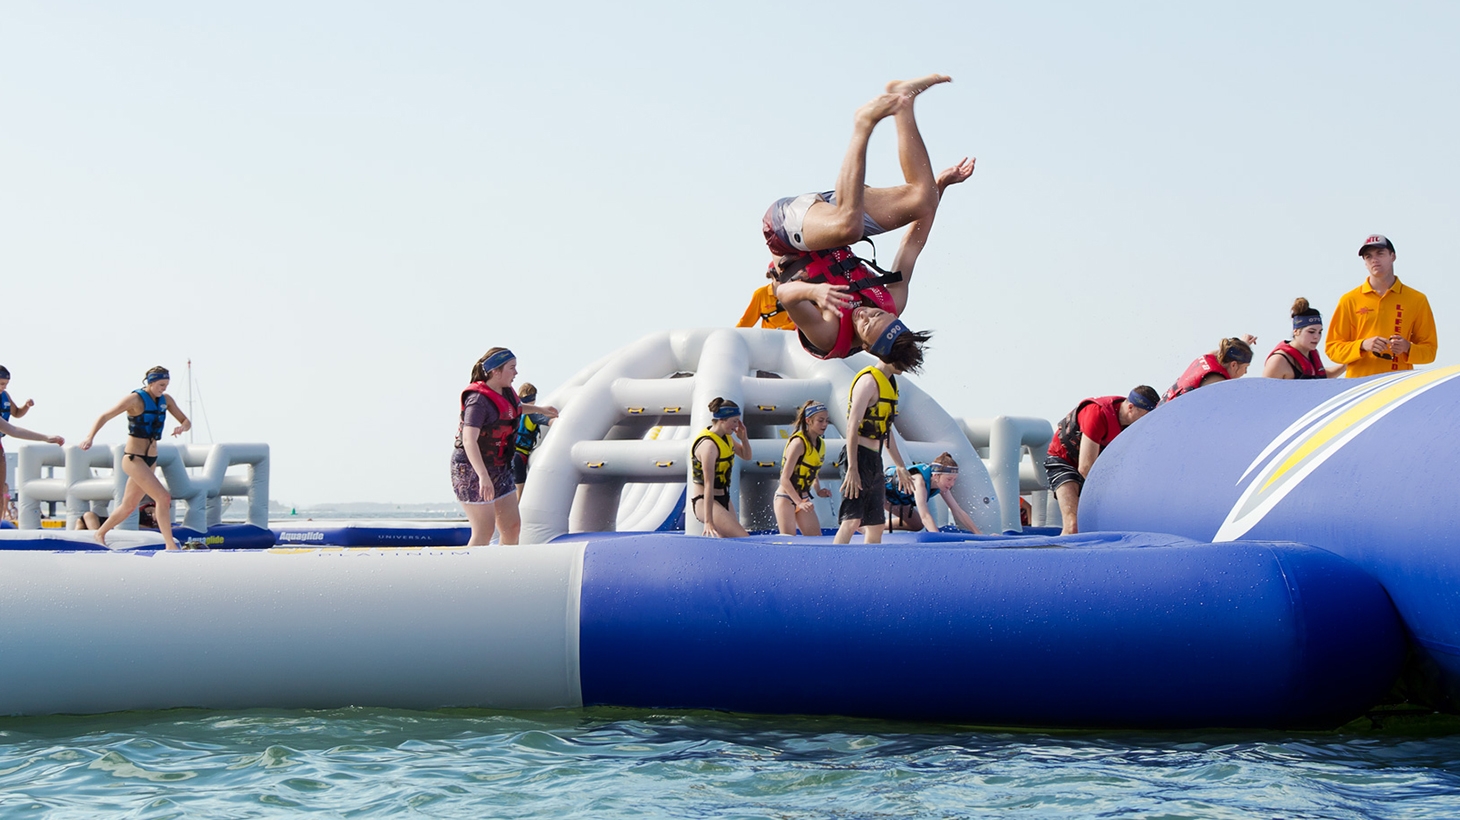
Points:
911	510
837	301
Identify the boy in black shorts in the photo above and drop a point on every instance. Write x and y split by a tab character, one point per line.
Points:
870	415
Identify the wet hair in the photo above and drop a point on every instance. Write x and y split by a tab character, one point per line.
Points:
477	373
157	373
800	422
1234	350
717	403
1149	394
907	350
946	460
4	372
527	389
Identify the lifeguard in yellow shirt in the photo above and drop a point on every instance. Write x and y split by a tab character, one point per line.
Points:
1382	325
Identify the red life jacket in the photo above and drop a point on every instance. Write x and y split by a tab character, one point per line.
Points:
1065	445
1304	367
495	439
840	266
1195	372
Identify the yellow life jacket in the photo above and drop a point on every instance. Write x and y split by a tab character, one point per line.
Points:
810	463
878	417
723	462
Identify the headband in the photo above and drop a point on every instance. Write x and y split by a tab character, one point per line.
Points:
157	377
496	360
1237	354
813	409
883	345
1141	400
1303	320
949	469
726	411
527	398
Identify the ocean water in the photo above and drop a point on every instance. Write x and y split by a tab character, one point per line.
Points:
611	763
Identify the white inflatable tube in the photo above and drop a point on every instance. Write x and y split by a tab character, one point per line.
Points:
490	627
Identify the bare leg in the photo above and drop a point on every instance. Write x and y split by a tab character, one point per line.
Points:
1068	496
808	522
726	521
872	534
846	530
831	226
786	517
483	518
509	519
143	481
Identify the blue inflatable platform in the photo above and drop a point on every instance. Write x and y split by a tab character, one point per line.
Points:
1364	468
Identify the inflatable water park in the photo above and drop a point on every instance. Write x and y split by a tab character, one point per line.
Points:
1259	553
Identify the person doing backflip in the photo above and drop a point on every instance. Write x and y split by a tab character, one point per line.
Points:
147	409
838	302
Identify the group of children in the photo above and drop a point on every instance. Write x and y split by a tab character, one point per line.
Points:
146	409
871	497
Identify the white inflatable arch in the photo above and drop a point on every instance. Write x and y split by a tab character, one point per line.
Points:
599	443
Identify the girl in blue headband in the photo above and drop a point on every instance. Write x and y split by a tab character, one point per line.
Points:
801	462
1299	358
147	409
713	455
481	461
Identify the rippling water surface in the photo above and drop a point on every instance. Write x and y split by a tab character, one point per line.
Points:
606	763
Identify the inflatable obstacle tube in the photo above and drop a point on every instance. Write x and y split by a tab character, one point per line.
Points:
371	533
1364	468
1129	631
223	536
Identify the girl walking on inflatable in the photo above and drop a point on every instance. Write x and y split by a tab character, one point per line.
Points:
481	461
1299	358
802	459
839	304
147	409
712	457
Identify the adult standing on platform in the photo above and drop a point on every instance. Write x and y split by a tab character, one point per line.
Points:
1079	439
147	409
1299	358
481	460
1382	325
838	303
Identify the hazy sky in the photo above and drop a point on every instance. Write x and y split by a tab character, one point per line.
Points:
334	208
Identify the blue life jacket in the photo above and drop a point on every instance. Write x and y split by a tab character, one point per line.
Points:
897	498
152	419
4	407
529	429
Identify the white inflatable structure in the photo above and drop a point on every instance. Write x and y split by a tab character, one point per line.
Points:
81	490
600	442
1005	441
